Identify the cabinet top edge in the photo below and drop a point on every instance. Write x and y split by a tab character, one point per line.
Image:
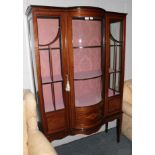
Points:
30	7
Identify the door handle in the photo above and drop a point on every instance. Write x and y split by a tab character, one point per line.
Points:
67	84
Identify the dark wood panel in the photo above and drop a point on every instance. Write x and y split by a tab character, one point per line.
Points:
80	79
114	105
57	135
56	121
87	131
87	117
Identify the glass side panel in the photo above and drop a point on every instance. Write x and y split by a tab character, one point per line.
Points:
50	62
116	30
112	59
116	40
115	58
87	54
117	82
114	84
112	81
118	58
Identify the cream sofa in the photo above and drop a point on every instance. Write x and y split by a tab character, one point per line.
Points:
34	142
127	109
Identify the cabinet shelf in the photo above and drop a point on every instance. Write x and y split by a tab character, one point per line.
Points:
49	82
87	75
56	79
80	47
115	45
112	92
114	71
89	78
46	49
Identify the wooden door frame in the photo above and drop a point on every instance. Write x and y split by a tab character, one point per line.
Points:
49	12
120	17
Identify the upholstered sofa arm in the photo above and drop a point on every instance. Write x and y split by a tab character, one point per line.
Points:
39	145
30	109
127	92
30	105
36	142
127	108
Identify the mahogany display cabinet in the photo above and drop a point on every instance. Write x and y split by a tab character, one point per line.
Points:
77	58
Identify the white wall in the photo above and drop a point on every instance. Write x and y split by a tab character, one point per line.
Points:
27	72
109	5
128	60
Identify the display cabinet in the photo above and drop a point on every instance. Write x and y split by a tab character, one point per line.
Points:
77	58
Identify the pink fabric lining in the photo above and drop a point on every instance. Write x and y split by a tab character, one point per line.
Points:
48	79
45	69
48	97
88	92
86	33
47	31
88	100
87	60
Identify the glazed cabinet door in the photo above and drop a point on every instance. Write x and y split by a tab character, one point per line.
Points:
115	54
50	55
87	68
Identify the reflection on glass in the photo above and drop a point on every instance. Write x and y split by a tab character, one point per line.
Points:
117	82
118	59
111	81
112	60
116	30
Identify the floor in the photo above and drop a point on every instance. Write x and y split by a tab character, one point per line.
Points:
99	144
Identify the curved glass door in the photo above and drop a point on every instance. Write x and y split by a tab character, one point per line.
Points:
116	43
87	56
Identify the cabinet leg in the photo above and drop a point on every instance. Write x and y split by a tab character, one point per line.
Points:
118	128
106	127
49	139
